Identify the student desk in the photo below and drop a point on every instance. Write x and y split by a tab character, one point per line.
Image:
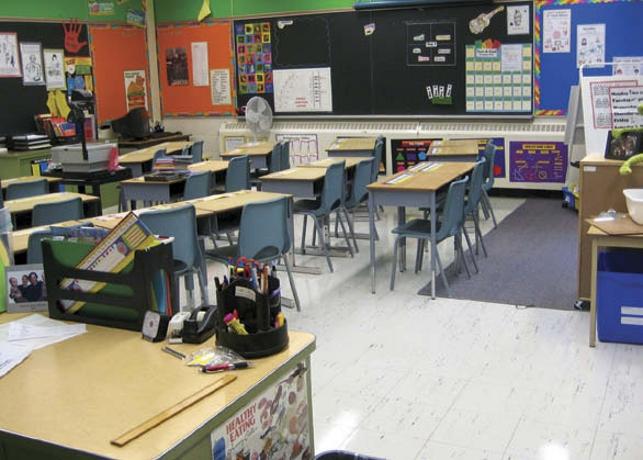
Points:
453	150
417	189
154	139
350	164
68	400
258	153
601	240
352	147
301	182
54	183
140	161
20	239
25	205
95	179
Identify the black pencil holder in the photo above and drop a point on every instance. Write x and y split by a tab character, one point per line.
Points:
257	311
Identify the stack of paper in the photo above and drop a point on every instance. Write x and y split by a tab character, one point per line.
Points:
19	338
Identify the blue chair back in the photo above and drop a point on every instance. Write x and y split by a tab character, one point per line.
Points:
275	157
453	214
197	185
161	153
61	211
34	247
285	155
333	192
179	222
378	153
27	189
489	155
238	174
359	193
264	231
196	151
475	186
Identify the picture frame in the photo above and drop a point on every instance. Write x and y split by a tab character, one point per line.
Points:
10	66
54	62
26	288
625	146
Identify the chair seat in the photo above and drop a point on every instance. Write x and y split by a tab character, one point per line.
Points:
416	228
223	253
307	207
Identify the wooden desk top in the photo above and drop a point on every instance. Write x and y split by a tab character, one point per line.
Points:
595	231
213	166
85	391
296	174
141	181
16	180
110	221
225	202
27	204
353	143
350	162
20	238
147	154
464	147
425	181
251	149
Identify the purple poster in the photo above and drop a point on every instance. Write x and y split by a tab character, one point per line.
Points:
499	162
535	161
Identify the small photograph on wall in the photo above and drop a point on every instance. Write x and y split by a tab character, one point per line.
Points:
9	60
176	61
33	73
26	289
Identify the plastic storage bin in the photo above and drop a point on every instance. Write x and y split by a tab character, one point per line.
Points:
619	296
71	157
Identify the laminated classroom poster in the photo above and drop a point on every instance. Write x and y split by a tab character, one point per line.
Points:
499	165
200	67
32	69
9	59
536	161
304	148
590	44
54	68
176	62
557	31
135	89
628	66
273	425
220	86
518	18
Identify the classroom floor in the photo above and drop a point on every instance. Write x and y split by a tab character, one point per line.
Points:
401	376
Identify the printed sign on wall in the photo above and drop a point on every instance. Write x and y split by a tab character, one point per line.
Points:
535	161
499	168
303	147
254	58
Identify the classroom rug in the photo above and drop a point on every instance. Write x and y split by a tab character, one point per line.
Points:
532	260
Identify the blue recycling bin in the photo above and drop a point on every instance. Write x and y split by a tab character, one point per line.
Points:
619	296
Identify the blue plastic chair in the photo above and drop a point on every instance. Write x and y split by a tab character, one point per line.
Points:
285	155
264	235
332	201
275	158
489	155
34	247
378	153
197	185
358	193
180	223
474	198
27	189
449	224
59	211
196	151
238	174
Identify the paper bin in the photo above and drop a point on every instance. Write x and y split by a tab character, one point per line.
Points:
619	296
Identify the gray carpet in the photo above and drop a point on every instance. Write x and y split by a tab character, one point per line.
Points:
532	260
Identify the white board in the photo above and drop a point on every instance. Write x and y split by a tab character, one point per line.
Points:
303	90
598	116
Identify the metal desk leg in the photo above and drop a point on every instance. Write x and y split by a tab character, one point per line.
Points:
434	244
371	226
592	307
401	220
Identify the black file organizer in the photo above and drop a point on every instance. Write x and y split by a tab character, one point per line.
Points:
257	315
109	309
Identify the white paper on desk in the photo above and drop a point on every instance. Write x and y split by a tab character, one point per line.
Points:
10	357
18	331
33	343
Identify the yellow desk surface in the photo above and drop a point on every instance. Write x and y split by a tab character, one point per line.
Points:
430	180
252	149
213	166
83	392
225	202
147	154
20	238
27	204
350	162
16	180
296	174
465	147
353	143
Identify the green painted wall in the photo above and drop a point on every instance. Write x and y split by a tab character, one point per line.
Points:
168	11
63	10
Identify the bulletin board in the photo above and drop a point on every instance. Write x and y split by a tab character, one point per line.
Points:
398	62
556	72
182	97
21	102
117	50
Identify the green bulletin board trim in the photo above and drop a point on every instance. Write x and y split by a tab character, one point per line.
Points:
63	10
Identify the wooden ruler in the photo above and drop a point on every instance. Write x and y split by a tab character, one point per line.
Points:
172	411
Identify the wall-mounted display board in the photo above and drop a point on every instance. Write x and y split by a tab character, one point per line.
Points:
120	70
569	33
43	44
196	69
447	60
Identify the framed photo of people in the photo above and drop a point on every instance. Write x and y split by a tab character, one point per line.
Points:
26	290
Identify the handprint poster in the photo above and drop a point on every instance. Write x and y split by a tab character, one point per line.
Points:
274	425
